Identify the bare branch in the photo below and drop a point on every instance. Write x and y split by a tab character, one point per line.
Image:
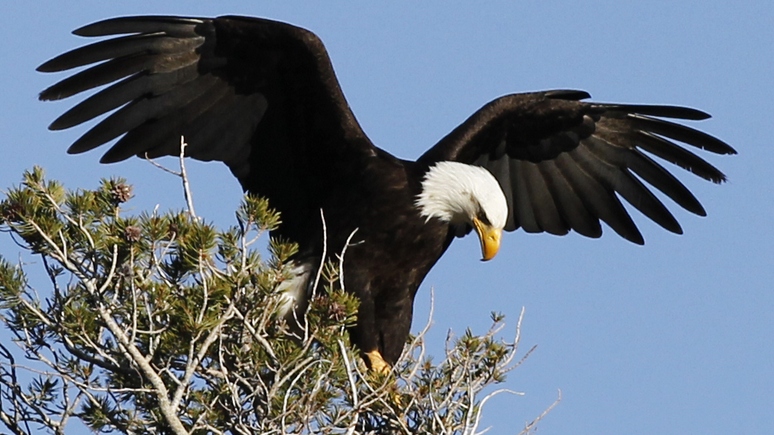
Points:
182	174
531	425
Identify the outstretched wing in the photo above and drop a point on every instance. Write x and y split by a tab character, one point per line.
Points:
563	163
228	85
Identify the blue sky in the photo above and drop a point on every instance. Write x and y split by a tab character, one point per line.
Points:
672	338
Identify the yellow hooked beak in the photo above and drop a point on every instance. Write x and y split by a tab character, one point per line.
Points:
489	237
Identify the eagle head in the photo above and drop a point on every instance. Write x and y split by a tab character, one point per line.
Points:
465	196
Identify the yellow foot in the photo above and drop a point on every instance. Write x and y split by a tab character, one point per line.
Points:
380	366
377	363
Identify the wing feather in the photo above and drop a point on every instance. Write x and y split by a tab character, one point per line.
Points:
144	110
650	171
98	75
149	43
601	198
155	137
523	212
568	202
542	201
134	87
501	168
601	157
679	156
686	135
174	26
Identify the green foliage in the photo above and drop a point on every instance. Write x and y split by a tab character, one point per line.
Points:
161	323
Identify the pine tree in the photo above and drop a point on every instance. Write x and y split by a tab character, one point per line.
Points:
163	324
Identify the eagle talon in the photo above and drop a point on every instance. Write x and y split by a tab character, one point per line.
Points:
376	363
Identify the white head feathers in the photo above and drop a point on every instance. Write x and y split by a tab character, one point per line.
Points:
456	193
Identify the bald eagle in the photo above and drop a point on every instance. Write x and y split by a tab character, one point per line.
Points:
261	96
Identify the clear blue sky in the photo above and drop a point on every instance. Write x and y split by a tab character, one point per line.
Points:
671	338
